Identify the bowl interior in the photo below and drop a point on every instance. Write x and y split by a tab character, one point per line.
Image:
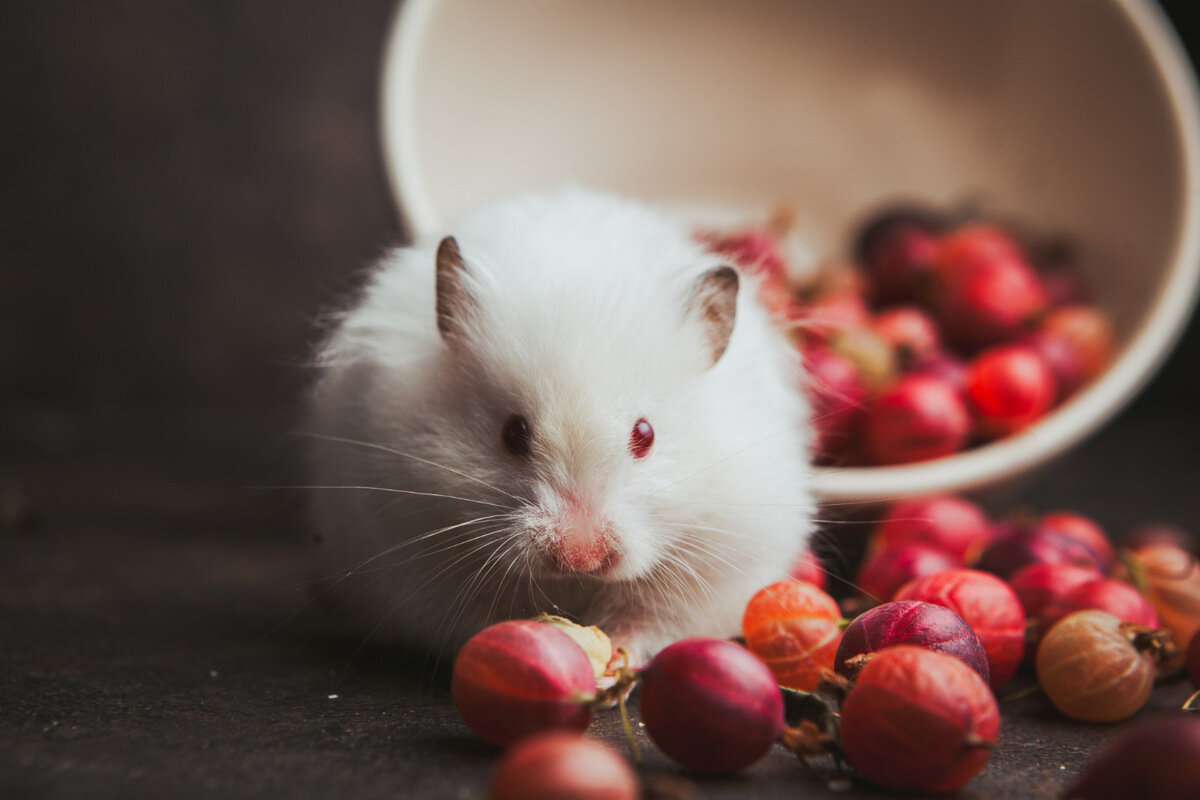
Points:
1056	114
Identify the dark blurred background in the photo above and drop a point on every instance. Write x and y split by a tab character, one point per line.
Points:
185	185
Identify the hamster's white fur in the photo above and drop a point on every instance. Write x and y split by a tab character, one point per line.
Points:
580	319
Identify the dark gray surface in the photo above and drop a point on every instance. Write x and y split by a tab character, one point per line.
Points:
185	185
159	642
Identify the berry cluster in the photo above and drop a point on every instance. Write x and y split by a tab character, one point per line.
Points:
936	338
902	692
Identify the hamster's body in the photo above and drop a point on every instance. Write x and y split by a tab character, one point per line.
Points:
576	410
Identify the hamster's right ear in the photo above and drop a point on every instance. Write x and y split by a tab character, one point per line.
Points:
714	304
453	300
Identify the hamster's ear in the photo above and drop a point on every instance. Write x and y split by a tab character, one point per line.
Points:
714	305
452	299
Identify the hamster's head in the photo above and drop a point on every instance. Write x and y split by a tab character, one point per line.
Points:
583	376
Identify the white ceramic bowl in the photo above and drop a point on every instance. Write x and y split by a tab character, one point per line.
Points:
1078	116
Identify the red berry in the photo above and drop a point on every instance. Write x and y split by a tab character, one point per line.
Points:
897	247
1064	286
711	705
1088	331
910	332
794	627
1170	579
1084	531
521	677
838	396
926	625
887	570
1158	759
917	720
951	369
1089	667
821	318
1192	662
951	524
1102	594
808	568
1019	543
918	418
1039	585
1062	358
756	250
987	604
987	293
1009	387
562	766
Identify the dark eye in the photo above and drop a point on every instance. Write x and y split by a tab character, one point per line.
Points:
517	436
641	439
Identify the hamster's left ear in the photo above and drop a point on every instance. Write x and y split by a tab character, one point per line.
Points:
714	305
453	301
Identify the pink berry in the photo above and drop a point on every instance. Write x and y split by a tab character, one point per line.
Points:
887	570
987	292
988	605
711	705
926	625
562	766
948	523
521	677
918	418
1009	387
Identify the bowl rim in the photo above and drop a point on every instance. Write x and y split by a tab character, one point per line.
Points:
1093	406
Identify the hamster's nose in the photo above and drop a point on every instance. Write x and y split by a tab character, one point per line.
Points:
583	548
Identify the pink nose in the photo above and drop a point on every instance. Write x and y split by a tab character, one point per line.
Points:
584	549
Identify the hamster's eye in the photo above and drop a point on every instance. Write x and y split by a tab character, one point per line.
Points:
517	436
641	439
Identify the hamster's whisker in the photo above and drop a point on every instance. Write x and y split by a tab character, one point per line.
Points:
512	562
463	597
474	536
389	490
414	540
419	459
687	589
389	612
696	546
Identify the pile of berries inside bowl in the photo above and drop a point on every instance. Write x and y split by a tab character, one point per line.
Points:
941	335
894	686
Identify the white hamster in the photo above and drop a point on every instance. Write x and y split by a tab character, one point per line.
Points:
568	405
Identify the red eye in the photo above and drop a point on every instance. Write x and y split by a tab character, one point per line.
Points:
641	439
517	436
